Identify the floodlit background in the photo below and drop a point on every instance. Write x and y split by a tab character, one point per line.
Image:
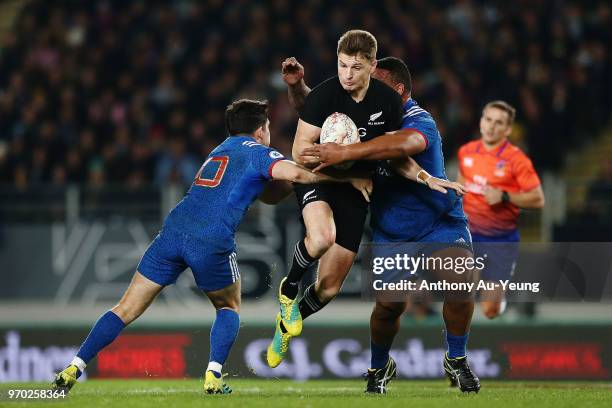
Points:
108	108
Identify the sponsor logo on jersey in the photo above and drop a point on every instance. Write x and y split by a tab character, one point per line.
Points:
468	161
275	155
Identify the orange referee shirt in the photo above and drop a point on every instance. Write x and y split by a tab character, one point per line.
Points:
506	168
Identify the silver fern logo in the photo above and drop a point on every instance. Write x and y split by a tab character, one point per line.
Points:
375	116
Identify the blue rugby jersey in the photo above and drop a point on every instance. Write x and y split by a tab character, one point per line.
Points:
404	210
228	182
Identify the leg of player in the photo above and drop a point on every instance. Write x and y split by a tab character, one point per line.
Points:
136	299
492	302
320	236
222	336
334	266
457	312
384	326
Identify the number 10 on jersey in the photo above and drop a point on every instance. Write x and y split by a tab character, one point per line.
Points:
221	162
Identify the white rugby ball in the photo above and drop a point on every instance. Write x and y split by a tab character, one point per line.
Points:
339	128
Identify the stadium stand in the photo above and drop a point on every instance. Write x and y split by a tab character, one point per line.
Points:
109	93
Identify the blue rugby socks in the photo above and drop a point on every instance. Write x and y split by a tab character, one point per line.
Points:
456	345
106	329
222	336
379	356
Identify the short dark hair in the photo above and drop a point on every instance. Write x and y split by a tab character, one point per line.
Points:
355	42
244	116
400	74
504	106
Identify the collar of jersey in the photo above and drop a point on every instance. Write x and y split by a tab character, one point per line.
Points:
242	137
409	104
495	152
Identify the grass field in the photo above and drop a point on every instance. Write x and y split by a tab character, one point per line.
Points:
283	393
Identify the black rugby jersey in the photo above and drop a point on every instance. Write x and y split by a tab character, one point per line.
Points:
379	112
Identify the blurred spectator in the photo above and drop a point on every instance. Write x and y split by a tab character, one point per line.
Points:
176	165
133	93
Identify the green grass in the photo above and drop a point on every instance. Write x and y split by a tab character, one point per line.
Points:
334	394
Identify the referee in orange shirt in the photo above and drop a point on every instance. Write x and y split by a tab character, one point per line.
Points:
500	180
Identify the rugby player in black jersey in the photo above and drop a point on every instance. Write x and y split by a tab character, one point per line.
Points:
334	217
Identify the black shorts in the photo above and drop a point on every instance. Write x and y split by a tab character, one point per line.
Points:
348	205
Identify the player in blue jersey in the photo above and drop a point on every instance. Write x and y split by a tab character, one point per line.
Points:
408	212
199	233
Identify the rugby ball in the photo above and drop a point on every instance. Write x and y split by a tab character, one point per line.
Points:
339	128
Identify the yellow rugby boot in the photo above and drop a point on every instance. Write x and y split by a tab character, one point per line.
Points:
290	313
279	346
214	384
65	380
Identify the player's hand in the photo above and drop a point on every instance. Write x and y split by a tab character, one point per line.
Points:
293	71
442	185
326	154
493	195
364	185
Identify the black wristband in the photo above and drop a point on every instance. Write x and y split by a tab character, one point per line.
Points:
505	197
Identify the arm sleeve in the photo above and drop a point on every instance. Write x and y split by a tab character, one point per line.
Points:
263	160
524	173
315	109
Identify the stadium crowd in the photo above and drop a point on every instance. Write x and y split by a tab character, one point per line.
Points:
108	92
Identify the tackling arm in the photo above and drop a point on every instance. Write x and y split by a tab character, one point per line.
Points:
275	191
290	171
410	169
400	144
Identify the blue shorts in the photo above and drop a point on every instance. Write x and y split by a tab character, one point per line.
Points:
445	234
171	252
501	255
454	232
